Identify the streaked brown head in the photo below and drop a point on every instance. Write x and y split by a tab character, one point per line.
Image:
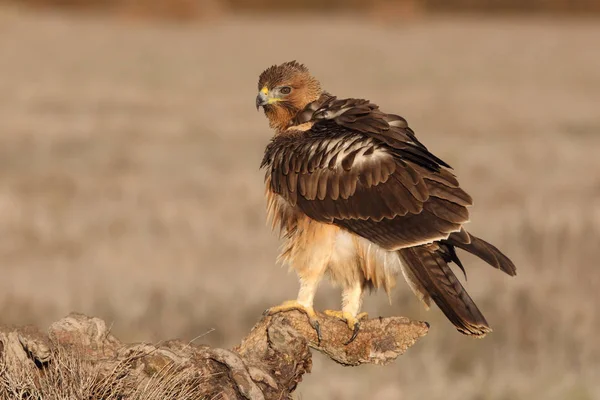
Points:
285	89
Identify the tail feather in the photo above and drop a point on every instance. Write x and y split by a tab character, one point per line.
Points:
427	264
430	277
482	249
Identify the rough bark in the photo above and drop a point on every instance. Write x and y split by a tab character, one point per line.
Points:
268	363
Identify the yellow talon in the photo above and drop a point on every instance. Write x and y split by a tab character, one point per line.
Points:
291	305
352	321
344	316
348	318
362	315
294	305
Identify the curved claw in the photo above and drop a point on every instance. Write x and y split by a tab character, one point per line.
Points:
352	321
317	327
294	305
354	333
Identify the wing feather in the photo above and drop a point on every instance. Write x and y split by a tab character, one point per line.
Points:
365	171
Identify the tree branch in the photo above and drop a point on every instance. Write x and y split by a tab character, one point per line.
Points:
268	363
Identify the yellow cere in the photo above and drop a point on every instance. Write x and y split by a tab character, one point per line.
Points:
270	100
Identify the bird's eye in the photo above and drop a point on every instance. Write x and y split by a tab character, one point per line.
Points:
285	90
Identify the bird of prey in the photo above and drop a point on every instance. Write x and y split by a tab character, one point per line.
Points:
357	197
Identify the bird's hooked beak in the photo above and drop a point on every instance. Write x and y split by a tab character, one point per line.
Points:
263	98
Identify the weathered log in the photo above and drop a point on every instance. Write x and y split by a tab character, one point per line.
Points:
268	364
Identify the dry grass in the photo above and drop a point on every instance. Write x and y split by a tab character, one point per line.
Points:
130	185
70	376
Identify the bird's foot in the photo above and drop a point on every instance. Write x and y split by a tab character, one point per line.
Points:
294	305
352	321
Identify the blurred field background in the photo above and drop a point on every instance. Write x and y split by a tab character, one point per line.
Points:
130	189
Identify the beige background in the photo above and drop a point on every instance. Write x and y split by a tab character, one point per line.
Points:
130	187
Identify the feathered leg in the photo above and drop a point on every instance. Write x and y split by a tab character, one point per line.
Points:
309	282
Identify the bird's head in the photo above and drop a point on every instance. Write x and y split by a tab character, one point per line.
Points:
284	90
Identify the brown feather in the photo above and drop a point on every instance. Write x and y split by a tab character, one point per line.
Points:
461	236
436	277
455	195
484	250
322	185
349	159
302	182
348	165
366	178
334	186
447	210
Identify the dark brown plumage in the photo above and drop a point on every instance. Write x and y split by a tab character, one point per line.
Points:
346	164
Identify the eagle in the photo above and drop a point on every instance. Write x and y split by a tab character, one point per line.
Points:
358	198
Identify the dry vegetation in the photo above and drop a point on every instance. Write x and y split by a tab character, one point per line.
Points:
79	358
71	376
130	185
